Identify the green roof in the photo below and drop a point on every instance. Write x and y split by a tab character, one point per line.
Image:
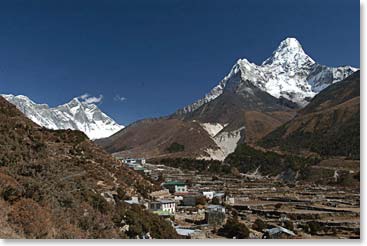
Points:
162	213
174	183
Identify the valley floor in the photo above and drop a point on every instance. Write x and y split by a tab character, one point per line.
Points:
309	210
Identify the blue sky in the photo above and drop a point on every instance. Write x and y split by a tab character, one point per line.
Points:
157	56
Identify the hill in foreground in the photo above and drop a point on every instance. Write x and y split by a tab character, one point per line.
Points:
58	184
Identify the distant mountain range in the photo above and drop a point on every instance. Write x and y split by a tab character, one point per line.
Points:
249	103
74	115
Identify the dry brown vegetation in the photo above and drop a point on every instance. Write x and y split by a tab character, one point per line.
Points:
52	182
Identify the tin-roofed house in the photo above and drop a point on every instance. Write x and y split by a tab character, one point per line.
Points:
278	233
191	198
175	186
208	194
163	206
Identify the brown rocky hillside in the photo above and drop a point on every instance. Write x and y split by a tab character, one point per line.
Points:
58	184
152	138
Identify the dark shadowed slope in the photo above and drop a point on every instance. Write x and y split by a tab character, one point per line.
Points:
329	125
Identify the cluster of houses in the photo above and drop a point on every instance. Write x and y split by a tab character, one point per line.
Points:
175	195
135	163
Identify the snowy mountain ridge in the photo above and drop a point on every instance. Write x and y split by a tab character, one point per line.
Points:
75	115
289	72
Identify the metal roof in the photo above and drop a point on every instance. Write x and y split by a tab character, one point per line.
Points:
279	229
174	183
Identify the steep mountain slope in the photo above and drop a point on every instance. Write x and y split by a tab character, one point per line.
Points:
328	125
152	138
75	115
250	102
245	116
207	137
289	73
59	184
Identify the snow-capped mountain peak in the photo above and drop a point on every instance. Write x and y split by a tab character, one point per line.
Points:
289	72
75	115
289	52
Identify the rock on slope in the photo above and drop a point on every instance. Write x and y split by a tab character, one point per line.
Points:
328	125
59	184
74	115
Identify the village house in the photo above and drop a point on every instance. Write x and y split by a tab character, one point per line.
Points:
208	194
160	194
278	233
175	186
132	161
133	200
179	197
236	200
188	232
164	205
220	196
191	199
147	172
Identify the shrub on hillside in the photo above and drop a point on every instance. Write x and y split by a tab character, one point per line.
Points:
141	222
315	227
30	218
234	229
289	225
175	147
10	189
259	225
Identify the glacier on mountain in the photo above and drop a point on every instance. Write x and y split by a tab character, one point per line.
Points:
289	73
74	115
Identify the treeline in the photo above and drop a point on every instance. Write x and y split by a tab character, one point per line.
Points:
210	166
244	159
247	159
341	141
175	147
